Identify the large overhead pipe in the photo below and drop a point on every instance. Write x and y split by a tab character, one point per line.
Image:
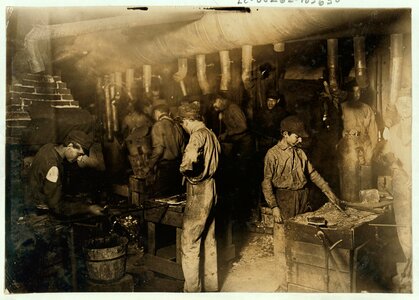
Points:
38	60
225	70
332	61
201	68
180	75
360	62
396	65
147	78
247	66
227	31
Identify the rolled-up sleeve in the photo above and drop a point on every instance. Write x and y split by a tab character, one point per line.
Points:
317	179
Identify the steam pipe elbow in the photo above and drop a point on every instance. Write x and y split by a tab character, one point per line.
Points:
201	74
225	70
246	66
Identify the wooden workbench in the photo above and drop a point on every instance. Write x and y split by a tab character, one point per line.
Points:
172	215
330	258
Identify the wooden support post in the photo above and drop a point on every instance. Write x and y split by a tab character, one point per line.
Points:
151	238
178	245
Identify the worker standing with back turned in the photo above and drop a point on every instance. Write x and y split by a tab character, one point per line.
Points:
199	164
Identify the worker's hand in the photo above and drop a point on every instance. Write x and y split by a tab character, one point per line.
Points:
96	210
277	215
332	197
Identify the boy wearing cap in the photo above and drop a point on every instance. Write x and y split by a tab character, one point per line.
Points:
284	185
46	171
199	164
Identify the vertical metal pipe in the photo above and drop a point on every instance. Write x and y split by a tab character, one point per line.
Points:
117	96
146	78
225	70
396	65
332	61
360	62
129	82
201	68
180	75
108	109
247	65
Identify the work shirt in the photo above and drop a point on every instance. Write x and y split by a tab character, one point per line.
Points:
45	177
359	119
234	120
287	168
200	160
167	139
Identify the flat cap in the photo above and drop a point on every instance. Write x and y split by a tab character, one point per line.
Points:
293	124
189	111
80	137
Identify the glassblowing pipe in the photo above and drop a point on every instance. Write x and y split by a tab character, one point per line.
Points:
108	109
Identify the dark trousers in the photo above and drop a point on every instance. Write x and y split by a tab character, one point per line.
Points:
292	203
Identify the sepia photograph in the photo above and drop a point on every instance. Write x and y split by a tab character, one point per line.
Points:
227	147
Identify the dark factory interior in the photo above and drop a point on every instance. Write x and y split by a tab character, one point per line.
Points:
208	149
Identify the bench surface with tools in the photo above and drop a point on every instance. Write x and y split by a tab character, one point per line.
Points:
323	248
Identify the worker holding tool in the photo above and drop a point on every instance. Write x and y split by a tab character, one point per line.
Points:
286	173
199	164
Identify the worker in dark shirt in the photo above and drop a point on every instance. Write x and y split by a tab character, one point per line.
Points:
238	150
267	120
168	143
46	176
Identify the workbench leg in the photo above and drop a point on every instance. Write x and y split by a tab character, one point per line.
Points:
178	245
151	238
73	260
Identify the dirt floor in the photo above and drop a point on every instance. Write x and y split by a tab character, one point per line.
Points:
253	269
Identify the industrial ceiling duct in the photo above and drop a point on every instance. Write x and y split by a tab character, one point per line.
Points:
226	31
129	19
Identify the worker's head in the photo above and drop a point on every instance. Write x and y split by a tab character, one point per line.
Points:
188	113
77	143
220	101
159	110
293	130
272	99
